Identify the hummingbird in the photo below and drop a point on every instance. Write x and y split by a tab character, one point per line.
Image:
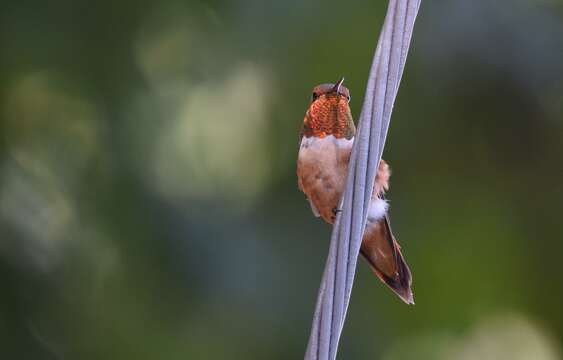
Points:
326	140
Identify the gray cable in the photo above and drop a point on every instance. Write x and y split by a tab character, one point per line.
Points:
383	84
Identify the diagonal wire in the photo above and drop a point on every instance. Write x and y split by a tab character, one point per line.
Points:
381	91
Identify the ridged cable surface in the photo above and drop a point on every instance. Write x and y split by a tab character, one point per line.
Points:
383	84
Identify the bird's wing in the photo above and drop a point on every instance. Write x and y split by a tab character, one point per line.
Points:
314	209
300	186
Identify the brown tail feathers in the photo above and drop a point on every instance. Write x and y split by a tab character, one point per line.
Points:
383	253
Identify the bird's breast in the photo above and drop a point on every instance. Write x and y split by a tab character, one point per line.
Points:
322	166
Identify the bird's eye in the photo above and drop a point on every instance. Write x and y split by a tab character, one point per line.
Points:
314	96
349	98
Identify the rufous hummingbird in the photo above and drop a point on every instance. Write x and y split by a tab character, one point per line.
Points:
325	147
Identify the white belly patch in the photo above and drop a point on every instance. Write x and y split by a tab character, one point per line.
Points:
315	144
377	209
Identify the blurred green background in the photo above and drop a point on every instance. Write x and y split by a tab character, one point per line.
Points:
148	198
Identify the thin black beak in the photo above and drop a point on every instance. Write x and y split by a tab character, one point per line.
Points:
337	86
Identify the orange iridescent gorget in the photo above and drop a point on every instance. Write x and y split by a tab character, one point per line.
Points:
329	114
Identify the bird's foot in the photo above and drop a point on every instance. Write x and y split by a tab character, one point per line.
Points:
335	212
